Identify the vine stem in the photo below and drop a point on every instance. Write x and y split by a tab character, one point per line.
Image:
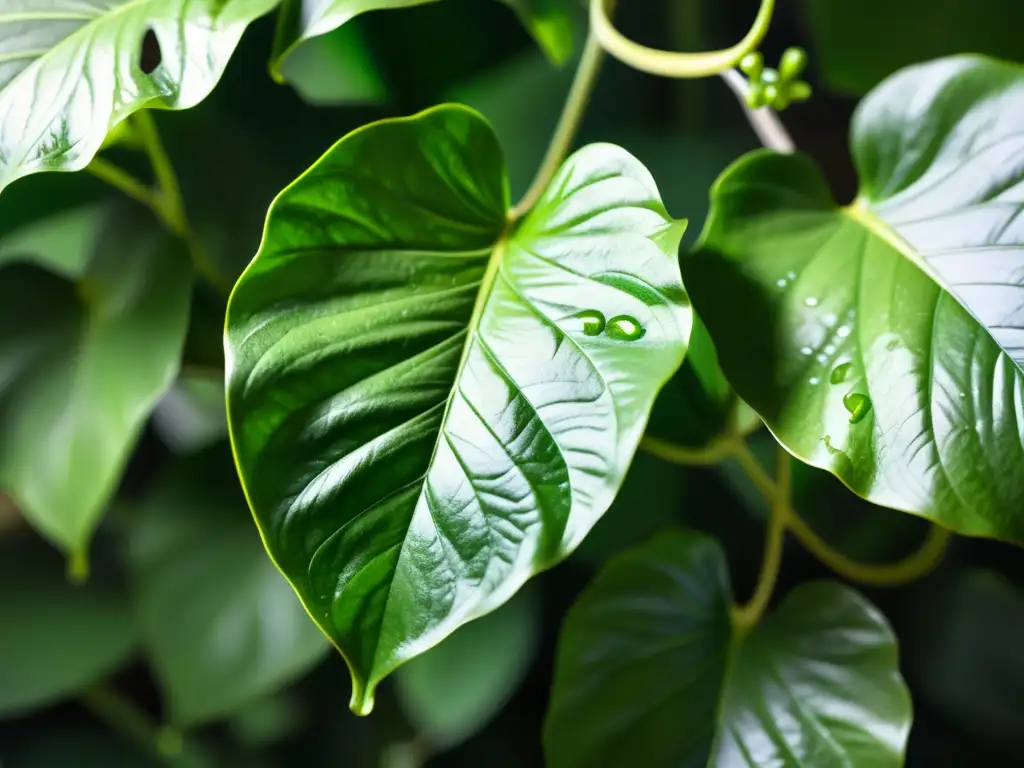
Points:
747	616
165	201
127	718
568	124
669	63
911	568
765	122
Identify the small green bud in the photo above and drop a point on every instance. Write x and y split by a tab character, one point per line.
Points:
793	63
799	91
752	65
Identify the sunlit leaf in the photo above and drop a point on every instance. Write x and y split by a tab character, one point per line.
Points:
884	340
71	70
427	406
81	366
649	663
222	628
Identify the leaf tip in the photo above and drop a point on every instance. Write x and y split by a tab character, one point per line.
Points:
78	566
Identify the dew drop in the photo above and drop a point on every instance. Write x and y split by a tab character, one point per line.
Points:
822	359
841	373
830	319
830	349
843	331
963	395
624	328
781	282
858	405
806	351
811	301
791	275
593	322
813	380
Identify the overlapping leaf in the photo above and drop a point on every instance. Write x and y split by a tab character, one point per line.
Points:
547	20
649	663
427	408
82	364
70	70
884	340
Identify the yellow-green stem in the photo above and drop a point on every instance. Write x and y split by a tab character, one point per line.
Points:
120	179
125	716
169	203
745	617
561	141
668	63
909	569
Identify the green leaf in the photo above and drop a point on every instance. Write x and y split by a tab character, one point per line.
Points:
883	341
56	638
336	68
650	664
71	70
857	45
301	20
222	628
81	366
454	689
428	407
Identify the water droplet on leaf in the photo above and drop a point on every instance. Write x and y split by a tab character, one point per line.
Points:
841	373
781	282
843	331
593	322
624	328
830	349
811	301
813	380
830	319
858	405
806	351
791	275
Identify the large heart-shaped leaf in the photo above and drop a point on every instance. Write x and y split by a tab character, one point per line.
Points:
427	405
220	624
81	366
70	70
649	663
300	20
57	638
884	340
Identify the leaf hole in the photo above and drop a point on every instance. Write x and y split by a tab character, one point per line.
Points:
150	54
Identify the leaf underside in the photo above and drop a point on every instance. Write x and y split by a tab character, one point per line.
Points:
884	341
426	410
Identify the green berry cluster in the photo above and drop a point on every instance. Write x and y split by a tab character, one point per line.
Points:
776	88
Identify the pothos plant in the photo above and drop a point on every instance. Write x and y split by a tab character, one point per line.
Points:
434	392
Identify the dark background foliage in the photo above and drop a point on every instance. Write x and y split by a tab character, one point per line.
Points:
960	629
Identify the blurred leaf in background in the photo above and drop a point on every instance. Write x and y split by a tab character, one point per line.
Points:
221	625
55	638
85	361
856	45
454	689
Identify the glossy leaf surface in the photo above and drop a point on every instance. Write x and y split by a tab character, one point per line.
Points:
70	70
427	409
650	664
454	689
45	618
884	341
300	20
220	624
81	366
